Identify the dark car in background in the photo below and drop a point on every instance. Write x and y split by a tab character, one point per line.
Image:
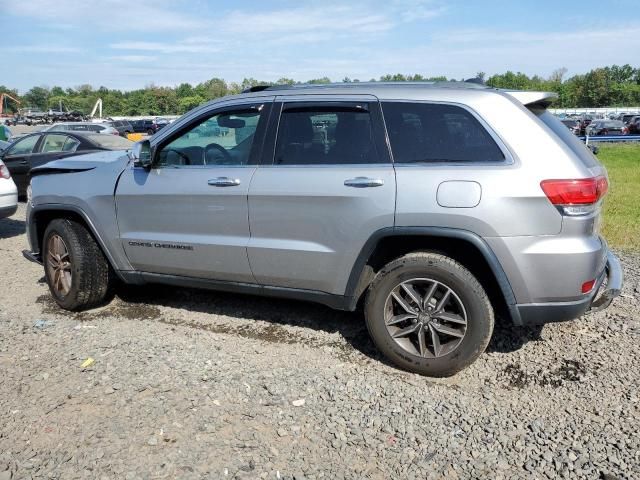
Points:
607	127
626	118
584	124
123	127
143	126
148	126
39	148
634	125
159	123
572	124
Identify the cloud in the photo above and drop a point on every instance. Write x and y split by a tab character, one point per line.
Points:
106	15
133	58
326	18
41	49
126	45
413	10
462	53
166	47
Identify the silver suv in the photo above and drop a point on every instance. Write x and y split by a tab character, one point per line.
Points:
435	207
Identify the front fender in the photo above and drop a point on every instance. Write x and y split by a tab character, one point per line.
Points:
40	215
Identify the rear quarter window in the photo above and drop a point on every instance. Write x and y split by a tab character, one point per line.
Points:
569	139
434	133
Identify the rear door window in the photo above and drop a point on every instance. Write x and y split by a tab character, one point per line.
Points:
434	133
325	134
53	143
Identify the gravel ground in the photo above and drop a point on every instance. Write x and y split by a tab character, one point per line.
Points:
191	384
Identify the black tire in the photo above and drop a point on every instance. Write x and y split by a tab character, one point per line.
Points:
444	270
91	276
150	132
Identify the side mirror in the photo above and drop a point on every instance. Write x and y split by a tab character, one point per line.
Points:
141	154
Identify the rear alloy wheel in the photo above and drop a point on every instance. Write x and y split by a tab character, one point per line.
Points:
425	317
76	270
428	314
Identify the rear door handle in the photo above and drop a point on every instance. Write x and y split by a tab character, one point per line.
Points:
364	182
224	182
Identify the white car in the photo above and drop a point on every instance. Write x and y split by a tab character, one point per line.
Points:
81	127
8	193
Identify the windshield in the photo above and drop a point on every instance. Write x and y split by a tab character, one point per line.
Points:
110	142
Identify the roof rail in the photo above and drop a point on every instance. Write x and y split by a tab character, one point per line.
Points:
474	84
255	88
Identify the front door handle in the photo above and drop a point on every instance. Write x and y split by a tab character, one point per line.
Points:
364	182
224	182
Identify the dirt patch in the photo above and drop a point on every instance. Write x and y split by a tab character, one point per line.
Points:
568	371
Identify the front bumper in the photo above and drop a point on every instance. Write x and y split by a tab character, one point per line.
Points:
32	257
608	287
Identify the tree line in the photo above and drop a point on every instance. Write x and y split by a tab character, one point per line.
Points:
601	87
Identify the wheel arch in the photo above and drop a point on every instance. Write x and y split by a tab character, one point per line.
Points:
41	216
463	246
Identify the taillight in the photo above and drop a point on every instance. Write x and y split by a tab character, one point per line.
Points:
4	171
575	197
588	286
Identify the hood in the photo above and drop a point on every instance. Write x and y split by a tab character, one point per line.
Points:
83	163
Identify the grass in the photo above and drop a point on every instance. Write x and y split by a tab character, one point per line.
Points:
621	224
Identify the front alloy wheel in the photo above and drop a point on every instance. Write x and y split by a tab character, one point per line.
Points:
77	272
59	265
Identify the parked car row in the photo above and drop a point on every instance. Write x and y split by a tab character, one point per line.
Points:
585	125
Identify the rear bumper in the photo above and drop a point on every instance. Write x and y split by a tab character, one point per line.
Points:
8	211
608	287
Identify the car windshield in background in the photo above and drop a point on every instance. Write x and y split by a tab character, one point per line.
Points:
111	142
